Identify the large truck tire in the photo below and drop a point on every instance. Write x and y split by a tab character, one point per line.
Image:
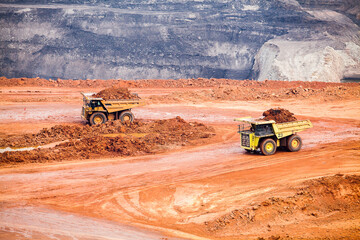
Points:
268	146
97	118
294	143
126	116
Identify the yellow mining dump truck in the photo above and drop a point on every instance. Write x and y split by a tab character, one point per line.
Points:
267	136
98	111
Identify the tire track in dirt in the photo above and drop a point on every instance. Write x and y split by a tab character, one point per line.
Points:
176	192
42	223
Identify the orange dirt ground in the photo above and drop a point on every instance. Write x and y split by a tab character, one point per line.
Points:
178	172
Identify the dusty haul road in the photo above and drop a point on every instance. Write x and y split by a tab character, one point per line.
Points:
212	190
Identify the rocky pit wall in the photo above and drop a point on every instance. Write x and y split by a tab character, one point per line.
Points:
278	39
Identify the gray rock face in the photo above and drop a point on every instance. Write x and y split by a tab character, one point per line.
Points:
238	39
328	51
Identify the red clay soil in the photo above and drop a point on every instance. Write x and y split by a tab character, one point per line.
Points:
91	141
115	93
167	83
48	135
194	90
316	199
279	115
81	149
259	91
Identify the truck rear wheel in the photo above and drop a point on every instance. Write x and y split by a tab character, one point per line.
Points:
126	116
268	146
294	143
97	118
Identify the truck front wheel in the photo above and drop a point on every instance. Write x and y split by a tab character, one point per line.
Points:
268	147
294	143
97	118
126	116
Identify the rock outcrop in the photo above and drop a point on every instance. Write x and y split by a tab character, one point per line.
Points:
328	51
238	39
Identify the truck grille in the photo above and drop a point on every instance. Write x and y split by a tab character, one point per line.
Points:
245	140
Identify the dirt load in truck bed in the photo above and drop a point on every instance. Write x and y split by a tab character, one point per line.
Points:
279	115
115	93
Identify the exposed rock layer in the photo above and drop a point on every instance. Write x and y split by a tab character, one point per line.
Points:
277	39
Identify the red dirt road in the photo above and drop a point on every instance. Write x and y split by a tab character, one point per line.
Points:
186	192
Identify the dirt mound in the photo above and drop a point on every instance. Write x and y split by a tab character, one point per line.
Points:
316	199
89	147
63	132
110	139
48	135
115	93
297	86
252	90
279	115
66	132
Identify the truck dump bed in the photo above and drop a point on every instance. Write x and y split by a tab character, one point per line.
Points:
115	105
118	105
280	129
289	128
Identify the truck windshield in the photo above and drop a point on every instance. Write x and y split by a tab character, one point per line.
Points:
95	103
265	129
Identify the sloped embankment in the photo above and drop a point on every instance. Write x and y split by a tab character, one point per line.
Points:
317	199
110	139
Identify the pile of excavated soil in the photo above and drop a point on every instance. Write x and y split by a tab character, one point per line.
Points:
48	135
84	148
115	93
261	91
110	139
279	115
65	132
315	200
167	83
212	89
